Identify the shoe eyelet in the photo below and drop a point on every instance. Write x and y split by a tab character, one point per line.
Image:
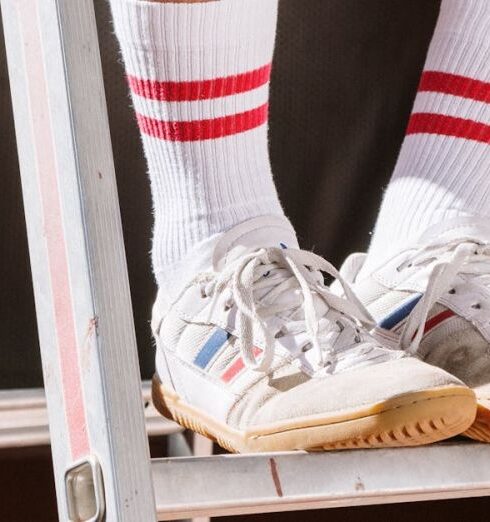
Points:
307	347
204	295
476	306
452	291
402	267
267	274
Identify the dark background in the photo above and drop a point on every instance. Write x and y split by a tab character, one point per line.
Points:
344	78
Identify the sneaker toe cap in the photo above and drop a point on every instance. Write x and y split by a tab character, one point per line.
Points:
357	390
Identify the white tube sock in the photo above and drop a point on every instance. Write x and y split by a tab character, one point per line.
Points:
199	79
443	170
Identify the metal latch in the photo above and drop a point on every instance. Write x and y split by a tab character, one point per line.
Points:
85	491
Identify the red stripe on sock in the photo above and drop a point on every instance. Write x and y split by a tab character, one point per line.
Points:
198	130
430	123
201	89
435	81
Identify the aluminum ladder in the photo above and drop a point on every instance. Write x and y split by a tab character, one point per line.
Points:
100	448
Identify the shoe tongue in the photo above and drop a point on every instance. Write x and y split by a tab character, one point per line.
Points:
461	228
264	231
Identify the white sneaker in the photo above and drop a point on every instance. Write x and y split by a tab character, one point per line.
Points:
257	354
435	297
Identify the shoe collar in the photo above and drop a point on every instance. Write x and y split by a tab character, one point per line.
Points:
260	232
412	269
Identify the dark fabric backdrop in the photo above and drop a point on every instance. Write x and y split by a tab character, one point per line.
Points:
344	77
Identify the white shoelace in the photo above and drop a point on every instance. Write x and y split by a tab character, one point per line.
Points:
296	272
464	257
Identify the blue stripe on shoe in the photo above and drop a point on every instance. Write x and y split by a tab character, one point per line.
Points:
400	313
211	347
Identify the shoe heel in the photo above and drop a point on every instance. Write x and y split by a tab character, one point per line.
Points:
158	398
162	368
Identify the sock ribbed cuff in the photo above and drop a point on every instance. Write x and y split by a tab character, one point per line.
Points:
442	169
199	78
155	25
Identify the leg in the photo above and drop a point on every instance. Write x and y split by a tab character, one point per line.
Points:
426	276
442	170
199	79
242	320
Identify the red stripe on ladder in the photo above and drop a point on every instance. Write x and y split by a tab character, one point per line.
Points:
48	173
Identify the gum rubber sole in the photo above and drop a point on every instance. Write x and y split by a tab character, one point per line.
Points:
480	429
409	420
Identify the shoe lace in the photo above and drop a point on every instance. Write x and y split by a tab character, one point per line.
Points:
468	258
292	282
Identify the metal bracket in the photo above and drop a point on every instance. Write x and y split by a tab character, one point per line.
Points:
85	491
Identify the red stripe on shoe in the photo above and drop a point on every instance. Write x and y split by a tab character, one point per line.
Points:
201	89
237	367
430	123
454	84
437	319
198	130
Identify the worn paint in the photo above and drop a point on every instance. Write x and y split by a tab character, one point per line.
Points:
275	477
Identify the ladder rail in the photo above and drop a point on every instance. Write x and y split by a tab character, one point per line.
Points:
261	483
83	304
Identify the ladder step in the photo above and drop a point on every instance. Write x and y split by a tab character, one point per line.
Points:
244	484
24	418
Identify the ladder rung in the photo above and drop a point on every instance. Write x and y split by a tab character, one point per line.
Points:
243	484
24	419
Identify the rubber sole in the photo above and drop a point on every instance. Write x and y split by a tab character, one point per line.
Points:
480	429
409	420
